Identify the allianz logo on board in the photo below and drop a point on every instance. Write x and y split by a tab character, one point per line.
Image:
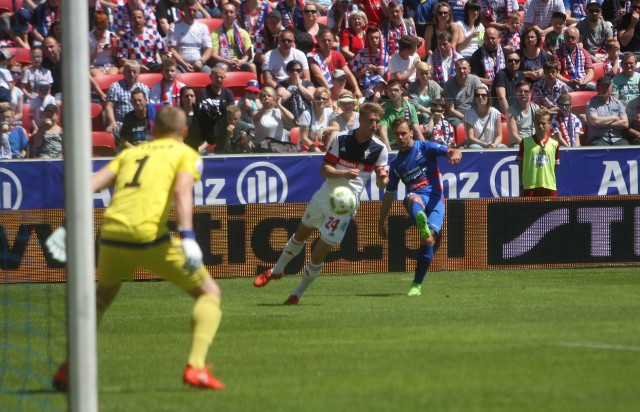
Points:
262	182
10	190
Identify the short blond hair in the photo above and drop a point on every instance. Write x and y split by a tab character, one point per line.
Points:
170	121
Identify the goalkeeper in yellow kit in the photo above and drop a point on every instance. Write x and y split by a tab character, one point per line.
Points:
148	179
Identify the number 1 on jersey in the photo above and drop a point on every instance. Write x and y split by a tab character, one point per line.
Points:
135	182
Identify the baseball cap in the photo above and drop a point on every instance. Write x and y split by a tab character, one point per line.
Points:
375	80
276	14
604	80
252	86
52	108
591	3
21	20
338	74
43	84
5	55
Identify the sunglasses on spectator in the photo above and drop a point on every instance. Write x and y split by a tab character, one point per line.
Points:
437	111
287	40
513	60
594	11
310	11
297	70
16	73
443	13
322	99
481	95
564	106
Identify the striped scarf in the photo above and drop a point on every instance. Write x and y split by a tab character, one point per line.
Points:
225	47
439	69
245	18
393	35
294	18
170	96
323	66
489	9
491	66
574	68
566	127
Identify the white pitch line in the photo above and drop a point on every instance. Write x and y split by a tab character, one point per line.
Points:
604	346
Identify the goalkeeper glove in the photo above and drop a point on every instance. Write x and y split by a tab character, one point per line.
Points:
57	244
191	249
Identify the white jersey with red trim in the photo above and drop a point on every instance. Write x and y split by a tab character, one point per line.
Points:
346	153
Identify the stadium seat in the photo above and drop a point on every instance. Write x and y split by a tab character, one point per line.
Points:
106	80
505	134
459	135
598	71
97	123
323	20
103	144
211	23
20	55
579	101
294	136
197	80
422	50
237	81
9	6
26	123
150	79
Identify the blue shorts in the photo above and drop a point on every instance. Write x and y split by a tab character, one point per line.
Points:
434	208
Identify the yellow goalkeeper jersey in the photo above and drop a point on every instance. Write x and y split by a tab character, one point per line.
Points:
145	177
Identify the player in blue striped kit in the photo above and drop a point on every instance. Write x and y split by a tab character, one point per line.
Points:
417	167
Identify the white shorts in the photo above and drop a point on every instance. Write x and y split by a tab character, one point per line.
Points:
318	215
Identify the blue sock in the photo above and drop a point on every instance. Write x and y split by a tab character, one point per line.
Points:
425	256
415	208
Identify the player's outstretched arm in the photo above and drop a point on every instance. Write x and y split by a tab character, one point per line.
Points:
102	179
454	156
385	207
328	171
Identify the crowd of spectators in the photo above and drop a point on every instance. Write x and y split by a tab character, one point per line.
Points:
464	73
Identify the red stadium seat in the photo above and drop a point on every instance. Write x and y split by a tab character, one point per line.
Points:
20	55
237	81
598	71
212	23
197	80
26	123
97	123
294	136
7	6
459	135
106	80
422	50
505	134
104	144
149	79
579	101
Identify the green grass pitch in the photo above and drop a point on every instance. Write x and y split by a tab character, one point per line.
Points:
537	340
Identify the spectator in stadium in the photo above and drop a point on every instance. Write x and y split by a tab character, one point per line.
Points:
102	46
316	136
472	29
172	168
167	15
496	12
520	116
137	126
443	22
372	60
606	117
214	100
594	31
338	15
532	55
189	41
52	60
395	27
189	103
629	29
547	90
252	15
458	92
267	38
123	14
307	33
15	29
346	119
625	84
48	138
354	37
566	127
539	156
17	95
614	10
141	44
34	74
17	136
443	60
488	60
232	43
37	106
250	101
402	65
511	38
482	124
504	84
346	148
326	60
437	128
167	91
119	96
632	134
43	17
297	95
416	166
292	13
538	14
423	91
377	11
555	38
396	107
377	91
271	136
576	68
274	68
240	135
611	65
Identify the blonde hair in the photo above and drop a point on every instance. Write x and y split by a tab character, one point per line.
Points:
170	121
270	91
423	66
320	91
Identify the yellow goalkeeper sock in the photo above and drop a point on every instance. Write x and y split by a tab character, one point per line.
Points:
205	321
